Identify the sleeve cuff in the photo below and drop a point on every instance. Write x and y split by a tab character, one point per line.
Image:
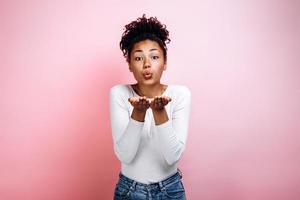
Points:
135	122
165	125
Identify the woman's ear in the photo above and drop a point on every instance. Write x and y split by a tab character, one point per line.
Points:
165	66
129	67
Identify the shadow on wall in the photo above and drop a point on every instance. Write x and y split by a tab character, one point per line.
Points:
101	167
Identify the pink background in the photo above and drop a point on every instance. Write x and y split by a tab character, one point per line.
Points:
59	58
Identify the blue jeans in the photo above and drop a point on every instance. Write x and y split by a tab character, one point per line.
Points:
170	188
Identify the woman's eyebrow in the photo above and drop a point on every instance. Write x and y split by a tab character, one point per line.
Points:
139	50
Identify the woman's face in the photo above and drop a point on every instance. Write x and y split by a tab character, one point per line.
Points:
147	62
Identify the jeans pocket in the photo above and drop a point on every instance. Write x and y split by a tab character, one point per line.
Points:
175	190
121	191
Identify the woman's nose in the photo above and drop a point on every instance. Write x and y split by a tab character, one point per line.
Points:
146	64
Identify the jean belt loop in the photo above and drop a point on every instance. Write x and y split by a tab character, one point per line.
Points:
161	186
132	187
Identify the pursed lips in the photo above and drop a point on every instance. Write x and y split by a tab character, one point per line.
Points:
147	74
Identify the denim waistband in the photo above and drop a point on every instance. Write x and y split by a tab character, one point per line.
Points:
161	184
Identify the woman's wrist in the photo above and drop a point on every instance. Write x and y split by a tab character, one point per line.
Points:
160	116
138	115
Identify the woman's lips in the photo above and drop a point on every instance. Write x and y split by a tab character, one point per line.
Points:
147	76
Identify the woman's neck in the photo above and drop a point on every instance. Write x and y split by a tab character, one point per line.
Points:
150	91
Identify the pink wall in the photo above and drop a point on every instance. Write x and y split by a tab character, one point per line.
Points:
58	60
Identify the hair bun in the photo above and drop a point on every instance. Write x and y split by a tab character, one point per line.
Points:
148	26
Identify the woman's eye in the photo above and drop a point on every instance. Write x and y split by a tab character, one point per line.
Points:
137	58
155	57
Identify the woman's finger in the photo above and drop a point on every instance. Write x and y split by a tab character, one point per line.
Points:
165	101
144	102
160	101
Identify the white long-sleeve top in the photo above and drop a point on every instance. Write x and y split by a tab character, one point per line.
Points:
148	152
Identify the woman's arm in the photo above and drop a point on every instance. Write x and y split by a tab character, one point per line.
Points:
126	131
172	135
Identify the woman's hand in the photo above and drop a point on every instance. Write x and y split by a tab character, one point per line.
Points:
139	103
159	102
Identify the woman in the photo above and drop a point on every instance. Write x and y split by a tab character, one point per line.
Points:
149	120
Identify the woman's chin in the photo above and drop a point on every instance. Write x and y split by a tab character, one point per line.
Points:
146	81
149	83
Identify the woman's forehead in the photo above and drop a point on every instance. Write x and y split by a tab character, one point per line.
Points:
146	45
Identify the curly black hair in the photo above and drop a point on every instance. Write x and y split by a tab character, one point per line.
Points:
142	29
